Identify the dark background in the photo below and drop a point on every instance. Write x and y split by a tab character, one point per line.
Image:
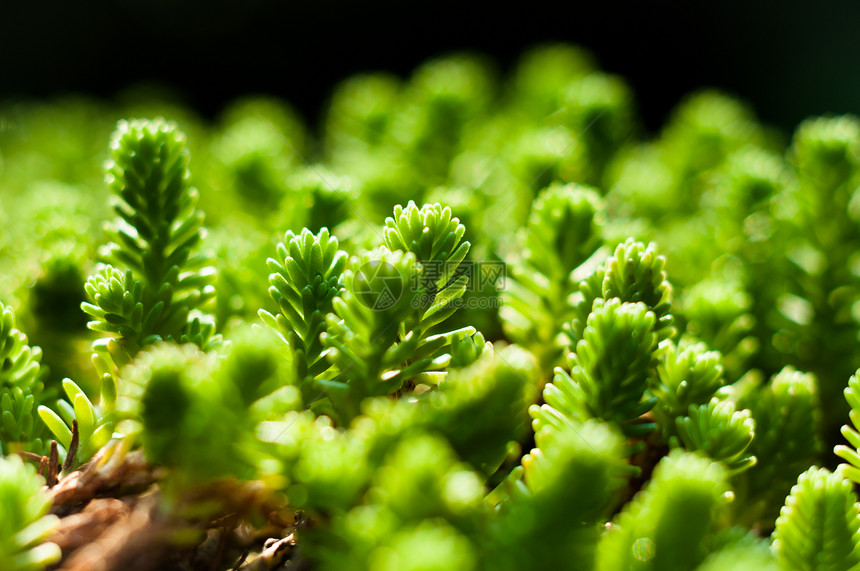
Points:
788	60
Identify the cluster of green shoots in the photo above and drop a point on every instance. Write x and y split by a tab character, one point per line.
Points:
481	333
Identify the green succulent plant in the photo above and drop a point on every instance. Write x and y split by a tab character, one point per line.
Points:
721	432
609	371
528	393
785	410
819	526
686	376
666	526
563	233
162	284
24	518
20	389
304	285
384	328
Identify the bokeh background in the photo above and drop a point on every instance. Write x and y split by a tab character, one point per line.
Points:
788	59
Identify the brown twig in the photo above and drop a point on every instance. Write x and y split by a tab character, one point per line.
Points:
73	447
53	468
44	464
30	456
